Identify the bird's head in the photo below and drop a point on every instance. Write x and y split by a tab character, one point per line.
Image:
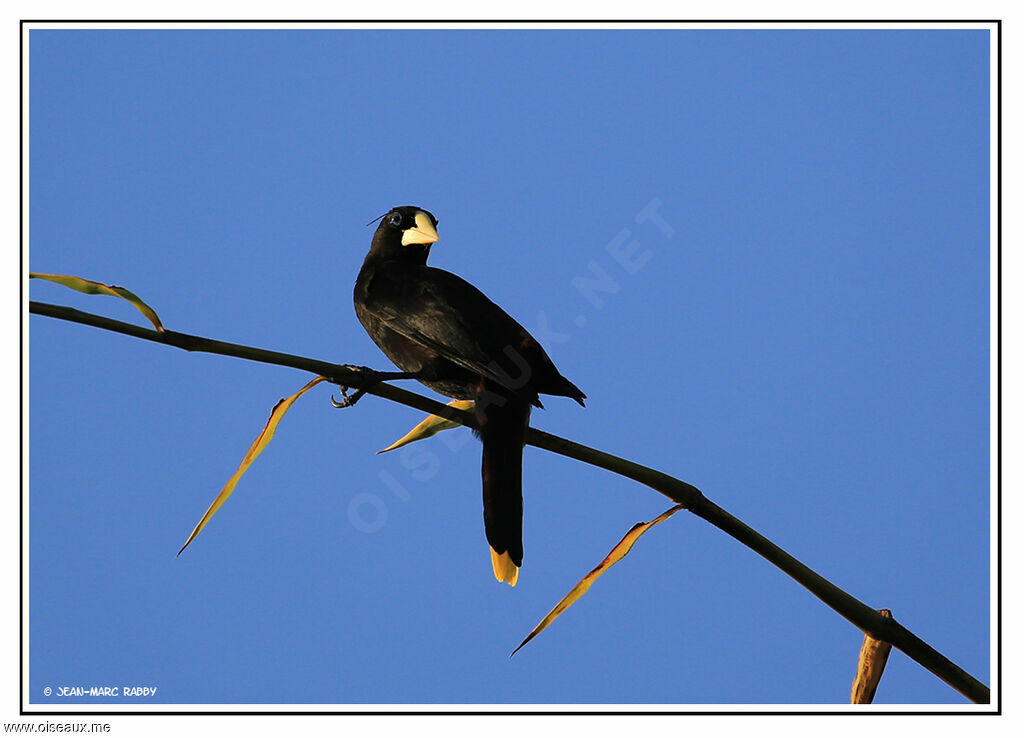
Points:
407	225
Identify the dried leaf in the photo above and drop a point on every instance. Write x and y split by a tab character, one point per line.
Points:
430	426
97	288
870	665
254	450
620	550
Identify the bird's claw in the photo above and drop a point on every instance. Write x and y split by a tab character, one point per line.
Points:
346	399
369	379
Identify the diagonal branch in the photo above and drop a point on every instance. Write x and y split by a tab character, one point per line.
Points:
865	618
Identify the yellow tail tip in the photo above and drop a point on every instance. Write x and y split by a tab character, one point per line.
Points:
504	569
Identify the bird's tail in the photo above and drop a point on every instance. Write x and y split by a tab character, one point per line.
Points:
503	432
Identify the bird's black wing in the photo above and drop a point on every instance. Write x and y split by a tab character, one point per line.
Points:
446	314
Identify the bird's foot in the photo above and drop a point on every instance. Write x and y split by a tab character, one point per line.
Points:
372	377
346	399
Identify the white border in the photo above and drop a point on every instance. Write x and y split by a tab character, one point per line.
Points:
54	711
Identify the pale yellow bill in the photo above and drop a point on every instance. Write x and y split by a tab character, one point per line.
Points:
423	232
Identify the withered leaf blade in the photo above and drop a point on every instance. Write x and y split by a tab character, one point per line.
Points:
89	287
873	656
429	426
614	556
254	450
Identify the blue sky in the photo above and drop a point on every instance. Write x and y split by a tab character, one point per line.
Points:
804	335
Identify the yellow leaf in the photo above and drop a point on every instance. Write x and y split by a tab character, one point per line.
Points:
620	550
870	665
431	425
254	450
96	288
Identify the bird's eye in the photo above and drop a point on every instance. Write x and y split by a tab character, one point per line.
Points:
396	219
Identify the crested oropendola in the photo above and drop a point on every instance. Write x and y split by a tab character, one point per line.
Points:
447	333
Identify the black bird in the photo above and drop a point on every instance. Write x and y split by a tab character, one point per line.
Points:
446	332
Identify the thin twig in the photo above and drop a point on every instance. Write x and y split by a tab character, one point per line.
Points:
865	618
